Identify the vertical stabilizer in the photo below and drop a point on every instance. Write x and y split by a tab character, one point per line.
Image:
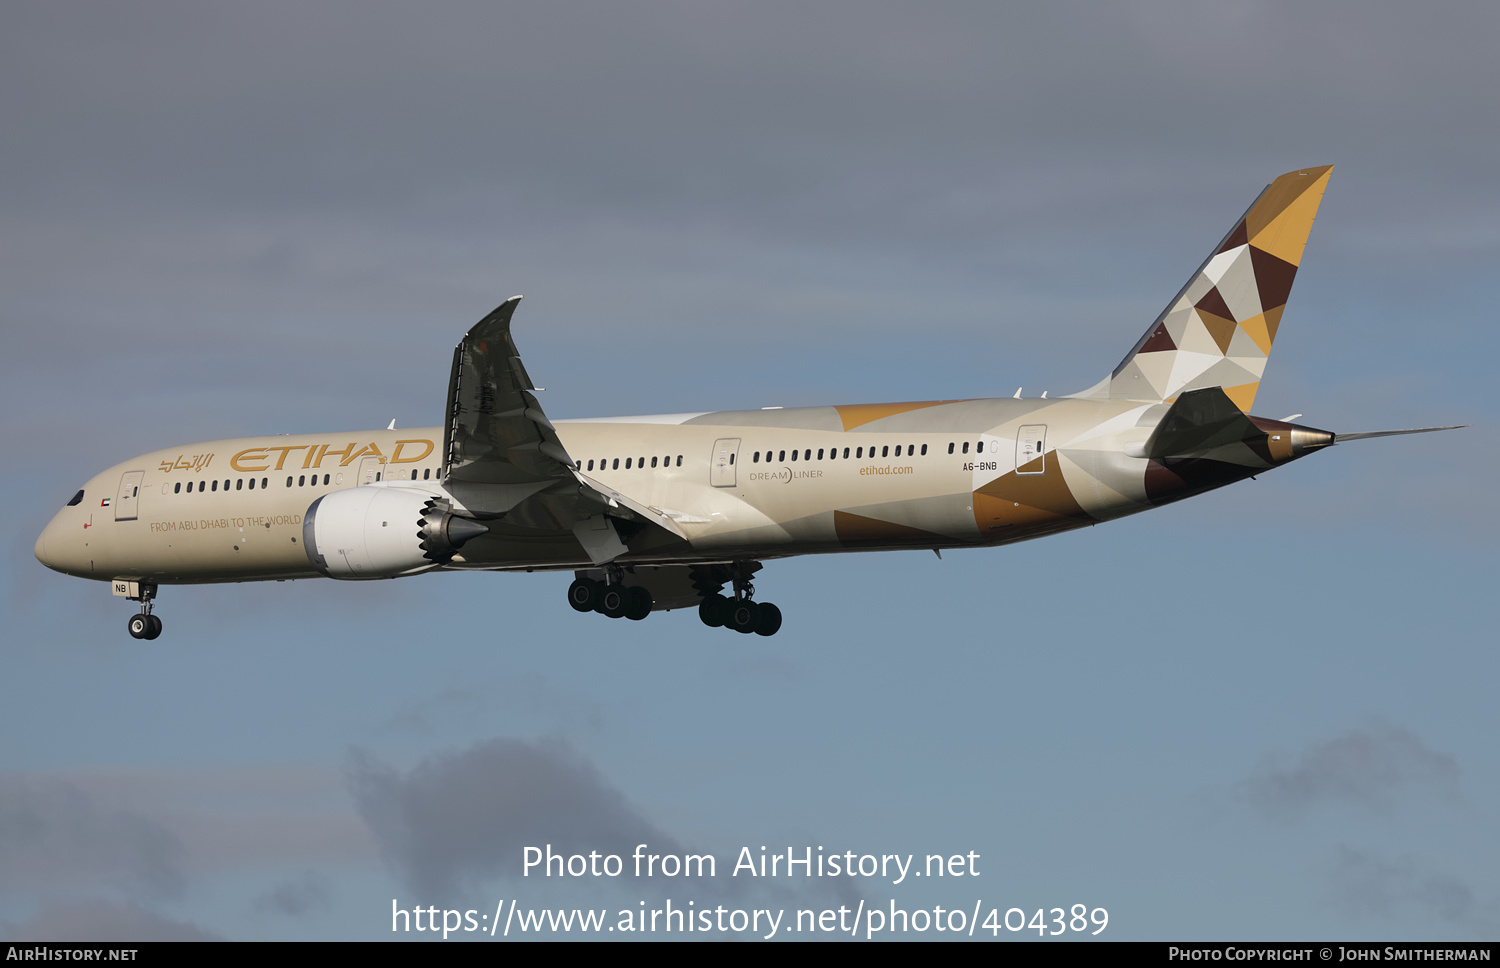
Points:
1218	330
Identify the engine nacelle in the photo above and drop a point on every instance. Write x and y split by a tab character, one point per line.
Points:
382	532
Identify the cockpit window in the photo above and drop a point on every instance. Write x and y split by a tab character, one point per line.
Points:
77	499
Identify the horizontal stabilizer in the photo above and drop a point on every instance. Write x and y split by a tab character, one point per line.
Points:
1340	438
1198	421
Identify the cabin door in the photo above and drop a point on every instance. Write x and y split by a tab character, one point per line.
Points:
1031	449
129	497
369	470
721	471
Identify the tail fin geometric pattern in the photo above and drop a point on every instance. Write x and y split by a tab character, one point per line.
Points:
1219	329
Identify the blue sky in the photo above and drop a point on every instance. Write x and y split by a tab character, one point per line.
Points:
280	219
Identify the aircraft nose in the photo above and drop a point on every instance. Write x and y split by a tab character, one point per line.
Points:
53	549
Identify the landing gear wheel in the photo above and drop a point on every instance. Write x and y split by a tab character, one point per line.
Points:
140	626
614	601
712	610
743	616
584	594
770	619
155	628
640	604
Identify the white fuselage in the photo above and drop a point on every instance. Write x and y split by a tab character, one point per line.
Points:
758	484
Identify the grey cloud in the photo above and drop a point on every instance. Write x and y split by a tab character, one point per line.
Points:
55	834
99	919
774	116
296	897
1366	767
457	819
1364	885
349	185
145	830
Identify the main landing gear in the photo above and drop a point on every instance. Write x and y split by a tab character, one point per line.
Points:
678	586
145	625
611	597
739	613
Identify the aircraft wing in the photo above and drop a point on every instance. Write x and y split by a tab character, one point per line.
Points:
502	456
495	431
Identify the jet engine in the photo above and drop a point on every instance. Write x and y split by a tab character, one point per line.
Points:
383	532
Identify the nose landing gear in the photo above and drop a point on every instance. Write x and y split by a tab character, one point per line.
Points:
144	625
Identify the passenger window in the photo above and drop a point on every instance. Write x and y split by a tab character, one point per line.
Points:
263	482
627	463
413	473
301	480
950	447
239	484
325	478
846	453
783	456
289	482
731	460
616	465
756	458
653	462
679	460
794	455
820	453
924	450
885	451
215	487
177	489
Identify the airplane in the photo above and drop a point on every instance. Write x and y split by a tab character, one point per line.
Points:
664	512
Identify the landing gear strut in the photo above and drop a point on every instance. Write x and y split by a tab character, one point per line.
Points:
144	625
740	613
